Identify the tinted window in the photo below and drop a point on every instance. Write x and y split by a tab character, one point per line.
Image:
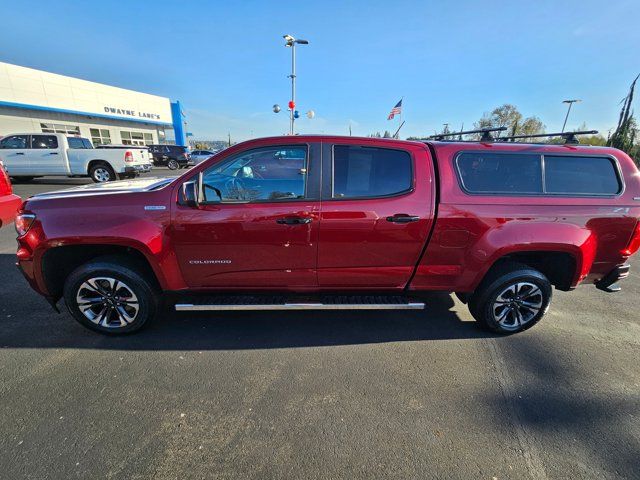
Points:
44	141
87	143
15	141
370	172
580	175
75	142
259	175
500	172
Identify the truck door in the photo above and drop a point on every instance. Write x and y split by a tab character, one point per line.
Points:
13	151
257	226
376	214
46	156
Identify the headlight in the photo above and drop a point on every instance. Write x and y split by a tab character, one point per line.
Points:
23	223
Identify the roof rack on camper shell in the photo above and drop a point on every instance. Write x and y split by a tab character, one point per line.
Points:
569	137
485	137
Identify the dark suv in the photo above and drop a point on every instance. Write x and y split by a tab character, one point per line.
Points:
172	156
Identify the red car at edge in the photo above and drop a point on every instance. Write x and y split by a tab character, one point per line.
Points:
9	202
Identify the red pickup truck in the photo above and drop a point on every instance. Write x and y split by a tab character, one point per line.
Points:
327	222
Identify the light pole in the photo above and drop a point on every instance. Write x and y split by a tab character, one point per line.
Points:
570	102
292	42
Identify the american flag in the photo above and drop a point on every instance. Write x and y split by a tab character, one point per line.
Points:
397	110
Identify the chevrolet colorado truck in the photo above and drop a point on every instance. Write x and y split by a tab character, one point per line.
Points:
328	222
30	155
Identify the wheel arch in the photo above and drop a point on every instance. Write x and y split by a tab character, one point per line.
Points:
96	161
57	263
563	266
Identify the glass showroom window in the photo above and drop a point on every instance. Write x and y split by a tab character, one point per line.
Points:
59	128
100	136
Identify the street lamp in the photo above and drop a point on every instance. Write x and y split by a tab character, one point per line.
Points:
570	102
292	42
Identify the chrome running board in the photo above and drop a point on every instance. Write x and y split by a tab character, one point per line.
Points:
298	302
189	307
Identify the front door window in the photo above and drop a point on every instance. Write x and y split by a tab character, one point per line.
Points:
264	174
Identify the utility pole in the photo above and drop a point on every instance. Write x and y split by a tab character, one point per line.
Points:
570	102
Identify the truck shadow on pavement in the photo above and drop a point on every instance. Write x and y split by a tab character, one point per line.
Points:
27	321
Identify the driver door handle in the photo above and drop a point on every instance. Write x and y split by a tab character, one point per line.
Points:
294	220
403	218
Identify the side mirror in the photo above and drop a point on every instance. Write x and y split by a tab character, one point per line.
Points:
191	194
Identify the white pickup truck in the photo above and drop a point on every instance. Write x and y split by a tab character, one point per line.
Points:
30	155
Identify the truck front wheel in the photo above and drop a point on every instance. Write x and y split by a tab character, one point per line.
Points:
513	297
102	172
110	297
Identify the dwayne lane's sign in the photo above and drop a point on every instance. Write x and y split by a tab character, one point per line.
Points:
131	113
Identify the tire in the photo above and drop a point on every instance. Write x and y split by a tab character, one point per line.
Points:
102	172
173	164
117	299
22	179
512	298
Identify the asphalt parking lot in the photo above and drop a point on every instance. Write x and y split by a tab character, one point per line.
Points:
319	394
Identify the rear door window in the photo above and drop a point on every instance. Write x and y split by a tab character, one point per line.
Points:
577	175
44	142
364	172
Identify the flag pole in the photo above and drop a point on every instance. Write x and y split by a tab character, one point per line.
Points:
400	122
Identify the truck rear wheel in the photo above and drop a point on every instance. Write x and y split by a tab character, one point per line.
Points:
102	172
512	298
110	297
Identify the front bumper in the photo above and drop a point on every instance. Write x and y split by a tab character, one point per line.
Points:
138	168
608	282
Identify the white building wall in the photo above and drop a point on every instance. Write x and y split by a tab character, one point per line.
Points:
29	98
17	120
27	86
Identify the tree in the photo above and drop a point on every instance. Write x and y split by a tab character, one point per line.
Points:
531	126
509	116
387	134
624	137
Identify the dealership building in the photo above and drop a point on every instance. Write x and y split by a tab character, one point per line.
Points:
36	101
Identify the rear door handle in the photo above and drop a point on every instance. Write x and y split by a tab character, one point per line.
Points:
294	220
53	153
19	153
403	218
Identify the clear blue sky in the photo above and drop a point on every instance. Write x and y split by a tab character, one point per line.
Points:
451	61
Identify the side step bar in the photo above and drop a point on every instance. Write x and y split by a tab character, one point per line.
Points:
189	307
248	303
